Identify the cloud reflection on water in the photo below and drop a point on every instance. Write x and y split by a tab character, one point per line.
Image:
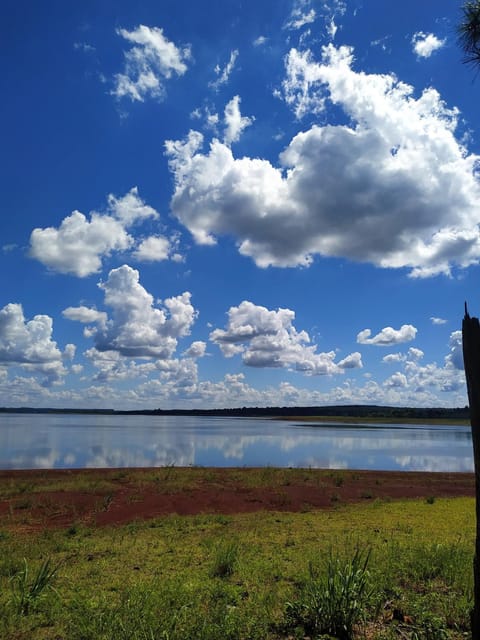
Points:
45	441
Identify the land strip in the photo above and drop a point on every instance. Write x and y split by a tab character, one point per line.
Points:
38	499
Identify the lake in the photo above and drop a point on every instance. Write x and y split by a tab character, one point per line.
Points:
54	441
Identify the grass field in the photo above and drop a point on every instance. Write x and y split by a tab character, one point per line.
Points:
380	569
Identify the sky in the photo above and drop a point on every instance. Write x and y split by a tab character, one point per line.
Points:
244	203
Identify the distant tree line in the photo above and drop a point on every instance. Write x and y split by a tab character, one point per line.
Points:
357	411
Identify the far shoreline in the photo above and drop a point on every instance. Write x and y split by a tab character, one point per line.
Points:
460	422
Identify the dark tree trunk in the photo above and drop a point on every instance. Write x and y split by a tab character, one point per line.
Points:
471	359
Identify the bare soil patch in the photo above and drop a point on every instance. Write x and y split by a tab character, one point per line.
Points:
33	500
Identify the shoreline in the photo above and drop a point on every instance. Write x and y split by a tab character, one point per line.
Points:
460	422
38	499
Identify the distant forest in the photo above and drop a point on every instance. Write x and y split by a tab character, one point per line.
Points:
357	411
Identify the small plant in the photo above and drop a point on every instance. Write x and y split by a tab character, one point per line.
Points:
225	560
27	592
334	602
339	480
430	500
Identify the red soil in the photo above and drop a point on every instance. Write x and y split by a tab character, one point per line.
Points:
133	497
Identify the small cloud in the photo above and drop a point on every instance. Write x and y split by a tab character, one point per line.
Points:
86	315
353	361
196	350
397	380
424	44
153	249
415	354
300	16
83	46
455	357
259	41
235	123
394	357
388	336
381	42
436	320
151	60
224	74
332	29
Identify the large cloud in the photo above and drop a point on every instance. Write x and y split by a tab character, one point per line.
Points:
267	338
136	327
151	60
393	187
29	343
78	245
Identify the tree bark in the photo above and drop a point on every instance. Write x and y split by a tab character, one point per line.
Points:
471	360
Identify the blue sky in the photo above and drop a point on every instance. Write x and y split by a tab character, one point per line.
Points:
221	204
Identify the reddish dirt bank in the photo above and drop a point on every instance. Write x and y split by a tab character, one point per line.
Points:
34	500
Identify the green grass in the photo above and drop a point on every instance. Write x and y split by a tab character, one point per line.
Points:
210	576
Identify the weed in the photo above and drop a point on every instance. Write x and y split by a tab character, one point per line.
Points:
9	567
26	593
433	628
225	560
335	602
339	480
430	500
106	502
72	530
24	504
169	471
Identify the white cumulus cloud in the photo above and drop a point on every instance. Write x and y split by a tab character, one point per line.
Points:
153	249
393	187
29	343
388	336
137	328
196	350
267	338
235	123
455	356
396	380
78	245
424	44
150	61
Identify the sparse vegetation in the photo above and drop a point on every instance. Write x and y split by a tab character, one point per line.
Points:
225	559
209	577
334	600
28	590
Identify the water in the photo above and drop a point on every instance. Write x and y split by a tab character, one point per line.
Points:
33	441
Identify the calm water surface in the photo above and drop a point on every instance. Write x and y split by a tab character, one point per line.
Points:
73	441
